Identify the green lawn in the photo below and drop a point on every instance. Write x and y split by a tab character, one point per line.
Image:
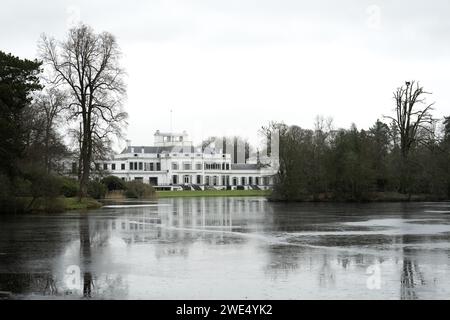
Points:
213	193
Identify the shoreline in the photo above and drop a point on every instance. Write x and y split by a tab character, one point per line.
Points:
375	197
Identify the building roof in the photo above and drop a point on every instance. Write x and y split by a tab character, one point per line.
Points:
170	134
244	166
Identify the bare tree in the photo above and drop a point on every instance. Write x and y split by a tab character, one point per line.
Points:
413	122
49	104
87	64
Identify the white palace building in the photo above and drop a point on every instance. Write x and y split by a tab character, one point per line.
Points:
173	163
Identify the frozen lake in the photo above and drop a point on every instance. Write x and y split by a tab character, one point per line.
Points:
229	248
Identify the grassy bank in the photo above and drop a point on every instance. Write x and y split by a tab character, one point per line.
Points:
86	203
212	193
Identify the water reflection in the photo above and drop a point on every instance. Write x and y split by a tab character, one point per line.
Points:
198	248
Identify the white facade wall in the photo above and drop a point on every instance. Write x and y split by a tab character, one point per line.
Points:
188	168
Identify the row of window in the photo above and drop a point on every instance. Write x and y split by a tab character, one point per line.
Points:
225	180
145	166
198	166
156	166
142	166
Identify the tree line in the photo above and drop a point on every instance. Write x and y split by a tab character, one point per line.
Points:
75	89
403	156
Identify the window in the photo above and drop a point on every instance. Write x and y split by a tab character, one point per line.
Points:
174	179
105	166
74	167
174	166
139	179
113	166
152	167
234	181
122	166
158	166
199	179
140	166
198	166
250	180
228	166
186	166
131	165
97	166
207	180
135	166
243	181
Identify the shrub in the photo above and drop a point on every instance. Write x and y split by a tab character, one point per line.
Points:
47	205
96	189
5	187
70	187
45	185
6	197
139	190
114	183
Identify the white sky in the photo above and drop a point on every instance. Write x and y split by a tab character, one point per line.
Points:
228	67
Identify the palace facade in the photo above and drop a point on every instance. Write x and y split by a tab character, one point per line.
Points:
173	163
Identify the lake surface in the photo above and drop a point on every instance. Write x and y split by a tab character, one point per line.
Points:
229	248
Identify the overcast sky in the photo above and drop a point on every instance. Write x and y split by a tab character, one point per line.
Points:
230	66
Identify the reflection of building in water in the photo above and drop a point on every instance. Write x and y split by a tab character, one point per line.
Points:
178	222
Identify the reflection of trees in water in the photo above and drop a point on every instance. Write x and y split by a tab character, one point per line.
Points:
23	283
85	258
411	276
92	284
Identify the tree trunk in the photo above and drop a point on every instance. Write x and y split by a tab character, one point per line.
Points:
85	157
